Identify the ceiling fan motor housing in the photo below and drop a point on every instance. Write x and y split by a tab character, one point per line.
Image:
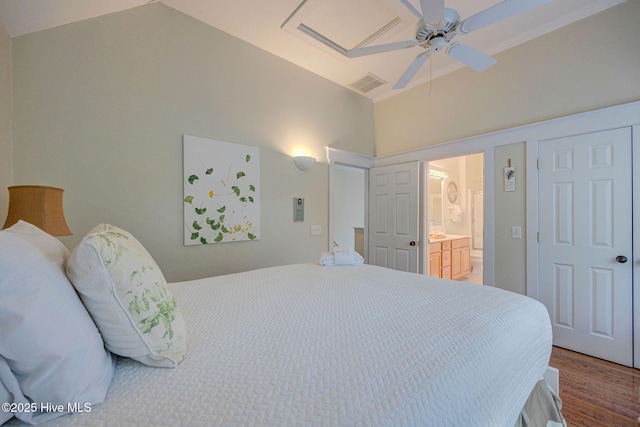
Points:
436	37
450	21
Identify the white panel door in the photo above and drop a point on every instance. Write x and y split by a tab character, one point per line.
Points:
393	216
585	238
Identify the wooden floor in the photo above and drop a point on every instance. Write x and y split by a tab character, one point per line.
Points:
595	392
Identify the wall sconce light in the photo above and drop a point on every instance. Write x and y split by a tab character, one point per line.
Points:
304	163
37	205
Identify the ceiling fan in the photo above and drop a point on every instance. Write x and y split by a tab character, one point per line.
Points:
438	26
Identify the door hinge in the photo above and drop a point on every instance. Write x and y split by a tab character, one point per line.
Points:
538	164
538	236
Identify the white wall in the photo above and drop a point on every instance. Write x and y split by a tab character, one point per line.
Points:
6	150
100	107
347	203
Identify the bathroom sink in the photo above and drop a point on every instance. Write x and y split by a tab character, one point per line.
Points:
437	236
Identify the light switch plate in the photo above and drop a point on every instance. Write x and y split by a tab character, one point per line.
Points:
316	230
516	232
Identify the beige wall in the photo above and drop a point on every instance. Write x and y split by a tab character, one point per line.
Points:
510	254
588	65
6	151
591	64
100	107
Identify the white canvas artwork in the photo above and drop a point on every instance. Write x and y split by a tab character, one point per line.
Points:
221	191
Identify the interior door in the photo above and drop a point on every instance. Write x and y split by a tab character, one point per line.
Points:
393	216
585	213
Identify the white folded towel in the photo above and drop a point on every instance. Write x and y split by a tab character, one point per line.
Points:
326	258
341	256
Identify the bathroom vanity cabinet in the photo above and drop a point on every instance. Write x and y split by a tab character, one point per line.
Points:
450	256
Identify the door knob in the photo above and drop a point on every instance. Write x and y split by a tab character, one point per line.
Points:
621	259
412	243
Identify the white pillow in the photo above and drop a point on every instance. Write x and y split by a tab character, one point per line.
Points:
48	340
128	298
5	395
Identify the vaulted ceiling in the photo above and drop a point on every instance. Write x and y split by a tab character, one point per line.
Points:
313	33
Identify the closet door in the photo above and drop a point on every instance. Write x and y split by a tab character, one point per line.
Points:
585	249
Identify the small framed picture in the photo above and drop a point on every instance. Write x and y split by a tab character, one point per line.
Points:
298	209
510	179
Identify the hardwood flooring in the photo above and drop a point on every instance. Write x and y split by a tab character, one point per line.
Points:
595	392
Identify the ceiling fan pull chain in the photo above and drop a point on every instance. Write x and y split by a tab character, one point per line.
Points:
430	89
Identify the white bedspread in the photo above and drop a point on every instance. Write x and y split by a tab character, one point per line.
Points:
305	345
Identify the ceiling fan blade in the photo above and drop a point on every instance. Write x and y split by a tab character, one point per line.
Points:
410	72
499	12
411	8
371	50
470	56
432	11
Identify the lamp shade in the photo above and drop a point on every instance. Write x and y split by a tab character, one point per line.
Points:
38	205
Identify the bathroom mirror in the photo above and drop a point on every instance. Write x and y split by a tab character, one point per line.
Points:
452	192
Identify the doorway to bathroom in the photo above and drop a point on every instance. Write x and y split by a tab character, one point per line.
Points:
455	218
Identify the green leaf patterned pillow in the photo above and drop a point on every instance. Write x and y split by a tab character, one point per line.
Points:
127	296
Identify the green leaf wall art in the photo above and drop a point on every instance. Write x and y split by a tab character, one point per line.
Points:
221	199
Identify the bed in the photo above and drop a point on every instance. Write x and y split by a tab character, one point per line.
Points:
308	345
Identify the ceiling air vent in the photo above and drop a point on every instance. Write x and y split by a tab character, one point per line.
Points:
367	83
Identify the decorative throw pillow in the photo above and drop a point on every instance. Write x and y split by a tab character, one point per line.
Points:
51	346
128	298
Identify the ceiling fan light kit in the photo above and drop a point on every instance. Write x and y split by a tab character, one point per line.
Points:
437	44
438	26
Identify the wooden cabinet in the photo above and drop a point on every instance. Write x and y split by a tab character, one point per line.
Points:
445	270
435	259
450	258
460	258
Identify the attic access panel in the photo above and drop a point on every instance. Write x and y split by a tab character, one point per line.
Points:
337	25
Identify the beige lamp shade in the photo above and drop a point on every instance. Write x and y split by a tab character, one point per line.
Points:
38	205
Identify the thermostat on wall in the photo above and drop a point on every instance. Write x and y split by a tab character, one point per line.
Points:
298	209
